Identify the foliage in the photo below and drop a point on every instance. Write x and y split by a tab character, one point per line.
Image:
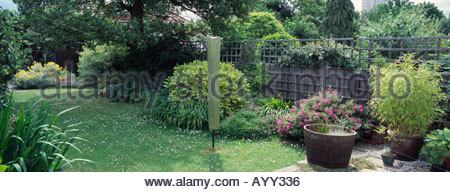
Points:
437	147
339	19
33	143
325	108
244	124
407	23
188	114
431	10
384	9
313	9
275	107
444	26
302	28
13	54
262	24
282	7
101	59
190	83
38	75
138	24
314	57
128	92
407	95
256	77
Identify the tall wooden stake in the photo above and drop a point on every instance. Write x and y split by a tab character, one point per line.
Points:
213	71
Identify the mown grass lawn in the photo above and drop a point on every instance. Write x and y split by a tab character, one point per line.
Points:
122	138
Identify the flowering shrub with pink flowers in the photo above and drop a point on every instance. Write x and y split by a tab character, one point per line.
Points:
325	108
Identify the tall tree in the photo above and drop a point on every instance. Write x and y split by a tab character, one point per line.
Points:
339	19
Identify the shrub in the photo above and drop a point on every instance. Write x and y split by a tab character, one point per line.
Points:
262	24
314	57
126	93
101	59
407	95
244	124
189	114
33	143
437	147
325	108
39	75
302	28
13	54
190	83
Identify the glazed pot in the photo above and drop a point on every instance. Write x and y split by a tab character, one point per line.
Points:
329	150
406	148
388	159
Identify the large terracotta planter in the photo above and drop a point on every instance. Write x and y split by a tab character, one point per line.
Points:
327	150
406	148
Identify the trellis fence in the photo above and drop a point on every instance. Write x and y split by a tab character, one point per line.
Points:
293	82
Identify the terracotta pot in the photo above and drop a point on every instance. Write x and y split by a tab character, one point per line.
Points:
406	148
330	151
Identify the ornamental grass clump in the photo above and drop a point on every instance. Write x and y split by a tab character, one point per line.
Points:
325	109
406	95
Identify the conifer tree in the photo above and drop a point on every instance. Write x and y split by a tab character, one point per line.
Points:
339	19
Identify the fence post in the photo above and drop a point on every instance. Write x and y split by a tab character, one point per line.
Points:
213	84
323	74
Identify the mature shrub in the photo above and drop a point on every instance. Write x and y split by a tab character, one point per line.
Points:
189	114
190	83
407	95
302	27
101	59
38	75
262	24
314	57
325	108
13	54
32	143
437	147
244	124
126	92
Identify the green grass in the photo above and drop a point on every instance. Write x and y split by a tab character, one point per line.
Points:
122	138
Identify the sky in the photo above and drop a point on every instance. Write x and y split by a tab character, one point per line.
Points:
442	4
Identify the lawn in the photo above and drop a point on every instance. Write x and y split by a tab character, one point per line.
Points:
122	138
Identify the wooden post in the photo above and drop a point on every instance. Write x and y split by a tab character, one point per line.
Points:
213	84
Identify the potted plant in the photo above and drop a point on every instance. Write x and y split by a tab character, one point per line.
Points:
406	97
436	149
387	157
328	145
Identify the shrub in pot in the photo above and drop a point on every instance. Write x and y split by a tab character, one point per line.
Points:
406	97
327	108
327	125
